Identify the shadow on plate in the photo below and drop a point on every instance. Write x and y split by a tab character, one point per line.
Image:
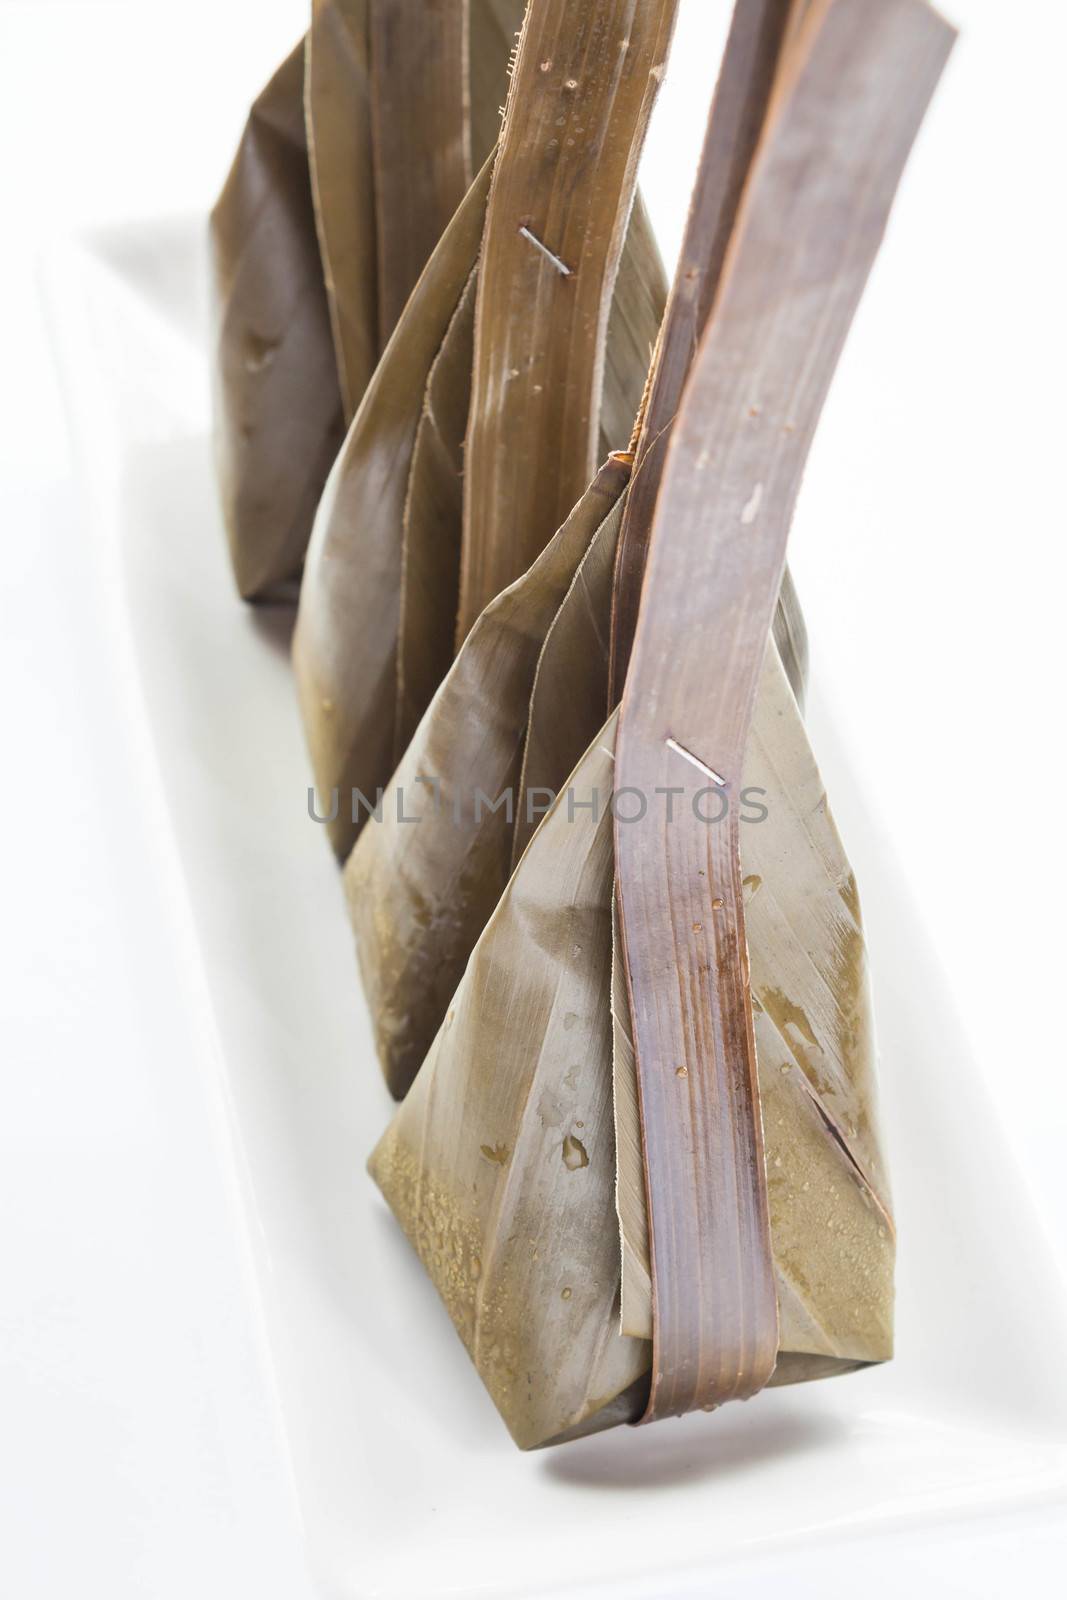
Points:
690	1451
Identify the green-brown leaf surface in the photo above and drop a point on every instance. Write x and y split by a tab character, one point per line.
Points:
376	629
340	149
278	419
419	896
345	645
501	1163
583	87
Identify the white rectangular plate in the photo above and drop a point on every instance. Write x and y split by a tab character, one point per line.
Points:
950	1462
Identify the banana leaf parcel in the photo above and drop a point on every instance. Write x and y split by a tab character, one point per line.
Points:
640	1160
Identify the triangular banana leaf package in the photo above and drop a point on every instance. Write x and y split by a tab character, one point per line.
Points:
508	373
640	1159
501	1165
353	160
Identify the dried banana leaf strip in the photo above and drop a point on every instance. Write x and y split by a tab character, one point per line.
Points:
571	685
738	110
631	1204
340	150
278	419
581	93
637	310
790	635
831	1229
433	514
811	220
433	518
422	882
345	644
415	203
421	137
500	1164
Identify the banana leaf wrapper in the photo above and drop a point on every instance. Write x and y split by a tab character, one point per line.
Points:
425	876
348	621
756	48
572	684
367	150
422	162
278	413
501	1162
341	158
514	713
830	1208
583	86
375	630
433	508
353	159
563	1325
844	111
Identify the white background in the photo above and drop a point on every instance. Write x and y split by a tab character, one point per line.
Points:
139	1449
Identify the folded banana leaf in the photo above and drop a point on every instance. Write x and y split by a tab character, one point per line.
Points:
345	643
516	710
755	50
432	514
582	90
383	580
424	877
719	1106
501	1163
341	158
278	417
570	686
421	137
847	102
572	683
831	1227
408	892
343	180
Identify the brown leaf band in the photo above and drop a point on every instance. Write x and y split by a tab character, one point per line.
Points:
844	114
